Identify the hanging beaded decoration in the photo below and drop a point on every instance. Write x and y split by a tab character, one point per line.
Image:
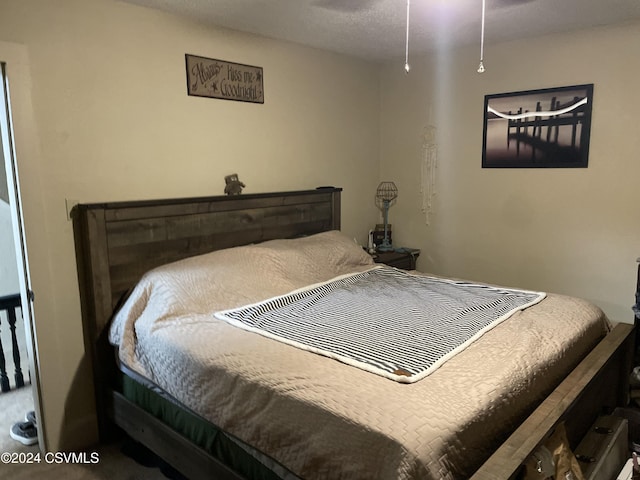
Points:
429	164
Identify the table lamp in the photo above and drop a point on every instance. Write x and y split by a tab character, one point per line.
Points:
386	193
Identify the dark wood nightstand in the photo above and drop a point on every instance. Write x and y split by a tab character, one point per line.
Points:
405	259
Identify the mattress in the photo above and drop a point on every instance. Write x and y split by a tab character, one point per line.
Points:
230	451
318	417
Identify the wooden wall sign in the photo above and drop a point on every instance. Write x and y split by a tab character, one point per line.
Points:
208	77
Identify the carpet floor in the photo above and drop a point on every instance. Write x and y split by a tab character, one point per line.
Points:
106	462
14	405
110	464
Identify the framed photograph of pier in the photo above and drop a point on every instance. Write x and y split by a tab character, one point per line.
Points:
546	128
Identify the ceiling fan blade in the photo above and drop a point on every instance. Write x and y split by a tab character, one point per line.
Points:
345	5
508	3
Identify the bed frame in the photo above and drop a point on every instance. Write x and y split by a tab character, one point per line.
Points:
117	242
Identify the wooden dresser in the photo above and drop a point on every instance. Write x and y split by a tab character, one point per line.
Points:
636	307
636	310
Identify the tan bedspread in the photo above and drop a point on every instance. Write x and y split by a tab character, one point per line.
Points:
318	417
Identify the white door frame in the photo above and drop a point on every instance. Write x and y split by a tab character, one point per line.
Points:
26	295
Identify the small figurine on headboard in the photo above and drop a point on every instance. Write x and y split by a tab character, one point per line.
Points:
233	185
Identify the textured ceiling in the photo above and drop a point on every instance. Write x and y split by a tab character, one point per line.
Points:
375	29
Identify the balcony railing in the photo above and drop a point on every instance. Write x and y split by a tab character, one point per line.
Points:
10	304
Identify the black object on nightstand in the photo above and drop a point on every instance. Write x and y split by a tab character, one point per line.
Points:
404	258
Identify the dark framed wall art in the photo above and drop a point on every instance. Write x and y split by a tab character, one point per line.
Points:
547	128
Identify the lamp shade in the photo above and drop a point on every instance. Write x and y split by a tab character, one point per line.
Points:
387	191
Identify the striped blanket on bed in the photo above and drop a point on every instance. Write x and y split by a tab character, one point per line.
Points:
398	325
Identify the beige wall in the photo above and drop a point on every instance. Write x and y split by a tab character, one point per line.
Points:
572	231
102	114
8	266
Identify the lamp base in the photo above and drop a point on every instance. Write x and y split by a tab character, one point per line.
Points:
385	246
379	235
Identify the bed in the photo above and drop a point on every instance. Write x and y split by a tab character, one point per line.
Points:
351	423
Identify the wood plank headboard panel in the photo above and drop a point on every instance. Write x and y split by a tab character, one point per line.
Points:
116	243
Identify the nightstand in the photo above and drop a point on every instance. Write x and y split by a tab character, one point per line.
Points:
405	259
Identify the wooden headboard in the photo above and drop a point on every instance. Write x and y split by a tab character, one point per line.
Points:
116	243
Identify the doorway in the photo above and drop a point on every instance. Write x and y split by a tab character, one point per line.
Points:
19	394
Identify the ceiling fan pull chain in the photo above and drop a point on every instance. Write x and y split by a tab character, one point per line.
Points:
406	53
481	66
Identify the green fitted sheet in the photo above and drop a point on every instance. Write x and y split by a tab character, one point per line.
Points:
202	433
